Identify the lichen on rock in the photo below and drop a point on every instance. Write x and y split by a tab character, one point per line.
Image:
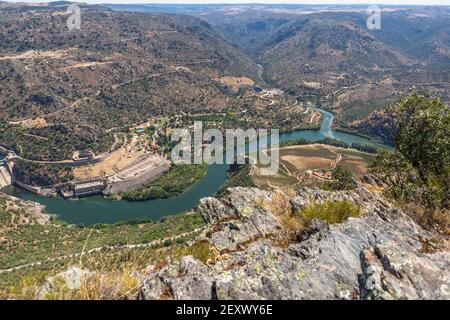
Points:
375	256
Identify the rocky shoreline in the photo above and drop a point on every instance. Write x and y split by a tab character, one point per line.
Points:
27	212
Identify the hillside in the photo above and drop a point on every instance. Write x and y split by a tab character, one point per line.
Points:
314	57
116	71
254	246
328	55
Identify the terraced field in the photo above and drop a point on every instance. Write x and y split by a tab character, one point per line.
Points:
297	161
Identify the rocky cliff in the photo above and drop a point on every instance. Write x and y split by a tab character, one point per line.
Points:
382	254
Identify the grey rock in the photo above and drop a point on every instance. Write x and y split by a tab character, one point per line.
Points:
190	279
194	282
390	273
153	288
375	256
70	279
315	227
240	217
214	211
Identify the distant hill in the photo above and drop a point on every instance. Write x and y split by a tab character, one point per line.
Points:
101	75
327	54
119	69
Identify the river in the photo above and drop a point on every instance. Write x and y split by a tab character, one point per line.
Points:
91	210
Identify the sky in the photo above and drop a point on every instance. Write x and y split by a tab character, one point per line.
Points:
393	2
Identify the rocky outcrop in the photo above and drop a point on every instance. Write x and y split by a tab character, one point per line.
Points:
388	272
70	279
240	219
376	256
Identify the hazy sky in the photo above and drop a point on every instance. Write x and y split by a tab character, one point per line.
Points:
394	2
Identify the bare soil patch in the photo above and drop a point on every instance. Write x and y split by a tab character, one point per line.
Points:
116	161
34	123
36	54
85	65
236	82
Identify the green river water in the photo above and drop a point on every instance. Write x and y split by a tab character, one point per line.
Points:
96	209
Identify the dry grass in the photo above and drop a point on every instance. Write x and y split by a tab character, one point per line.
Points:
113	285
290	226
279	204
430	219
109	281
281	207
108	275
116	161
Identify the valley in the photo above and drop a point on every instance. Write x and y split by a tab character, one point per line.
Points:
94	206
99	210
118	111
330	57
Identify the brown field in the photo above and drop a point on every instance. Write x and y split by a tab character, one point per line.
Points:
306	163
296	160
311	157
236	82
116	161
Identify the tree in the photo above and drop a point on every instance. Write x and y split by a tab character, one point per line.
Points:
343	179
396	173
423	135
418	171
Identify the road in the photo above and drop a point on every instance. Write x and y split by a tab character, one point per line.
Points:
113	87
14	155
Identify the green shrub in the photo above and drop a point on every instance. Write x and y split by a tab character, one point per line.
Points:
419	170
342	180
331	212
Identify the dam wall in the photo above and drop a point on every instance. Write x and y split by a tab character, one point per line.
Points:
6	174
145	169
116	185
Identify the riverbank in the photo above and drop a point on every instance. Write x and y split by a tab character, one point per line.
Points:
93	210
169	185
362	135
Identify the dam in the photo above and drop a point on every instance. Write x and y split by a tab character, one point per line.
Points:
6	174
145	169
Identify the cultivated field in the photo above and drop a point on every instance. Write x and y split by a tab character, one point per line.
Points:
295	161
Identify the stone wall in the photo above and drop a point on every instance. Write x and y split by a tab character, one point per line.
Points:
32	189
